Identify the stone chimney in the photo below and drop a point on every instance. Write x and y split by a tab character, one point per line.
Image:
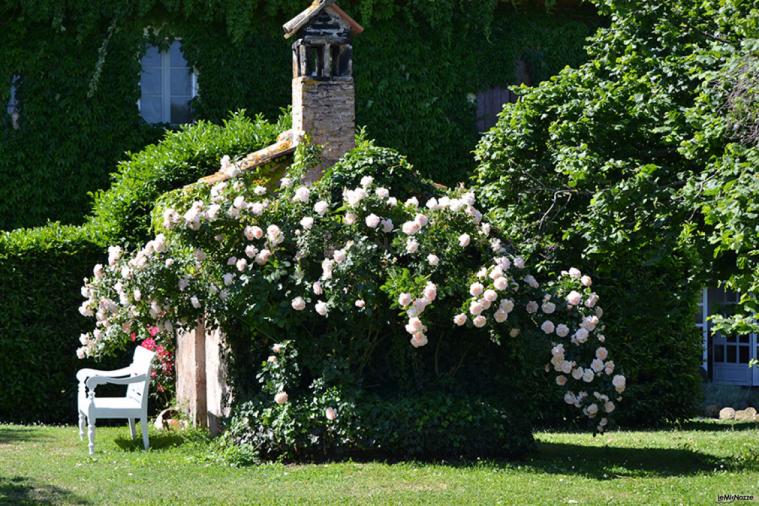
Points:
323	104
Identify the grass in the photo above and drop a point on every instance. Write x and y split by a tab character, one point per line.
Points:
692	465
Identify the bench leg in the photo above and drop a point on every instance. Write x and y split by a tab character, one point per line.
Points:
132	428
82	424
144	424
91	434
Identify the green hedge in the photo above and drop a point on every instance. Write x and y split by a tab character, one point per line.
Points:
415	67
41	269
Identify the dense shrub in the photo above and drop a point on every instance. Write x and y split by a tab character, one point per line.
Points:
41	270
626	165
331	284
80	65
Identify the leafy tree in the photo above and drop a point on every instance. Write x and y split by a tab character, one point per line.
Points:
642	163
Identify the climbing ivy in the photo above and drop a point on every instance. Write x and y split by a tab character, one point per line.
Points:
415	65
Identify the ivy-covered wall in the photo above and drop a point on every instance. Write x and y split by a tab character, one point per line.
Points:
416	66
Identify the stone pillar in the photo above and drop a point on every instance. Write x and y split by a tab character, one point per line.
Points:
202	390
325	110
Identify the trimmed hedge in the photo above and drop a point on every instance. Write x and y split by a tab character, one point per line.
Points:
41	269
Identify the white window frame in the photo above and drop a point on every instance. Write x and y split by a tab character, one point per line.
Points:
166	85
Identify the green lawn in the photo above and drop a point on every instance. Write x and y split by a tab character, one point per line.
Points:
50	465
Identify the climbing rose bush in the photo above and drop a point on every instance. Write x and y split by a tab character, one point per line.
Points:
279	257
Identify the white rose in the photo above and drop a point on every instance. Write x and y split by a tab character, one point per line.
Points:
298	304
475	289
263	256
577	373
609	368
464	240
387	226
317	288
548	307
372	221
575	273
459	319
514	332
609	406
597	365
506	305
307	222
490	295
421	220
301	194
581	335
367	181
574	297
530	280
619	383
321	208
281	398
519	262
479	321
405	299
562	330
500	316
411	245
501	283
195	302
360	303
330	414
592	409
588	375
382	193
251	251
321	308
586	280
430	292
350	218
419	340
339	256
547	327
241	265
410	227
532	307
592	300
433	260
561	380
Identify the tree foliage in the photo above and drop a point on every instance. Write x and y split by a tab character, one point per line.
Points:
642	163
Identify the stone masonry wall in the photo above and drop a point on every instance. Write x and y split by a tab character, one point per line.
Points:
326	111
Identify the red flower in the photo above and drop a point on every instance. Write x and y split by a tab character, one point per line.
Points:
153	331
149	343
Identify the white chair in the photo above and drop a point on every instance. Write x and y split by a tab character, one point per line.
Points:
133	406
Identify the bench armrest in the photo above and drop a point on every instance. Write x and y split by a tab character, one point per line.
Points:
83	374
102	380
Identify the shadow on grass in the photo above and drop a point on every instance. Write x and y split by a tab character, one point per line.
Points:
159	441
608	462
19	434
23	490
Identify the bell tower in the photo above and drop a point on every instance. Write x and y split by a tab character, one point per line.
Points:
323	102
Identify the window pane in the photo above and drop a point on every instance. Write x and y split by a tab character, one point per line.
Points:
719	353
744	339
180	109
150	109
731	339
150	81
743	354
181	82
731	354
175	55
152	57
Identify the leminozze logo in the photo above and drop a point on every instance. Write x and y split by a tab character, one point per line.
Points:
728	498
